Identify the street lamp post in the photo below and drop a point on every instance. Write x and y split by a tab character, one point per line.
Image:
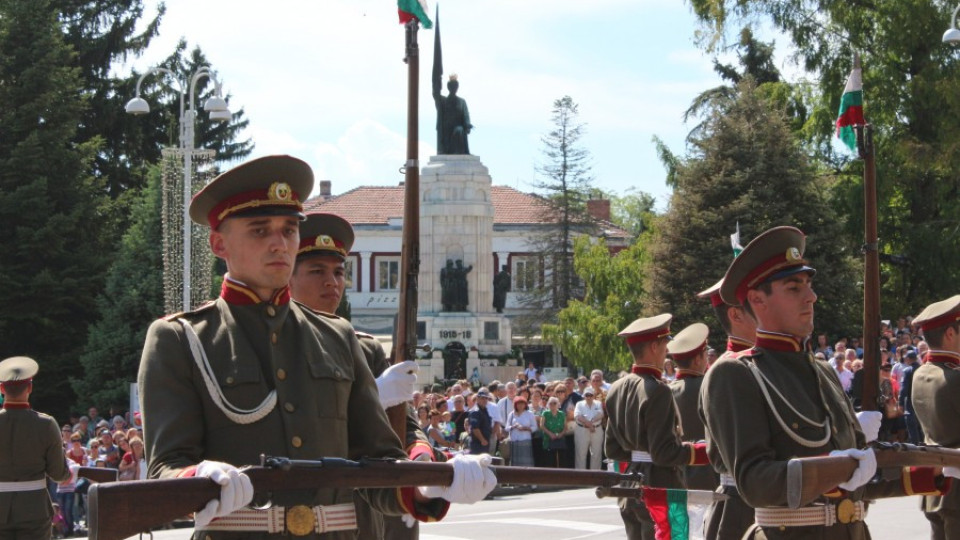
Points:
217	107
952	35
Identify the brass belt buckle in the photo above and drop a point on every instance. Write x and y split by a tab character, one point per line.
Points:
300	520
846	511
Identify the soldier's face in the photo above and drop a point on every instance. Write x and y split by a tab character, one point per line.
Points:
319	282
788	308
259	251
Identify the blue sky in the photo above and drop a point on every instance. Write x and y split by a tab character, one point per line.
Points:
324	81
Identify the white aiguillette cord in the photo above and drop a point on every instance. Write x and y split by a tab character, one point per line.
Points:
234	413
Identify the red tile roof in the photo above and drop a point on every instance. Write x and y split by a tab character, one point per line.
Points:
376	205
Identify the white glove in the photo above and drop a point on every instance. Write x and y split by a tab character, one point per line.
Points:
472	480
408	520
397	382
870	423
952	472
236	491
865	471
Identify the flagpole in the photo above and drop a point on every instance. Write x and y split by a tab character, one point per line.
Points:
871	268
405	344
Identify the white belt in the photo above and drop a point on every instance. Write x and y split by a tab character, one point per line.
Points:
639	456
846	511
26	485
728	480
295	520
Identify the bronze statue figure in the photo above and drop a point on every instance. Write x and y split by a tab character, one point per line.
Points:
453	119
501	286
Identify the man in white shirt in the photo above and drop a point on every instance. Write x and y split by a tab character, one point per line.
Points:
504	408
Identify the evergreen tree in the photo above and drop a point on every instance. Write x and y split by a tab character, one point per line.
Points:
745	167
909	80
51	209
132	298
564	186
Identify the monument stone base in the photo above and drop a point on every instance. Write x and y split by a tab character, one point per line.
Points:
487	333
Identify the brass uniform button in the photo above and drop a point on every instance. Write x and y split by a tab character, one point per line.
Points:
281	374
296	442
271	311
273	338
795	425
336	373
288	407
229	380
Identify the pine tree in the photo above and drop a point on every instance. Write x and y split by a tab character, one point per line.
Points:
52	248
131	299
745	167
564	186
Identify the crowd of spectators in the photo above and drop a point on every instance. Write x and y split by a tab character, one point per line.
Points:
92	441
526	421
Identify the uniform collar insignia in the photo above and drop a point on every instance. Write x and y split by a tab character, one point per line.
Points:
943	357
775	341
688	374
735	344
16	405
238	294
646	370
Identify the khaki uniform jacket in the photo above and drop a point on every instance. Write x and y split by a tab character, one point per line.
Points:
686	393
327	404
743	429
729	519
31	448
641	415
936	402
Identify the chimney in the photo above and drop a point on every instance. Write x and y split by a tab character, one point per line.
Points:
325	186
599	209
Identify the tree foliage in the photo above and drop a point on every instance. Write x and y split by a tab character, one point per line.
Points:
132	297
565	186
586	331
745	167
51	208
909	80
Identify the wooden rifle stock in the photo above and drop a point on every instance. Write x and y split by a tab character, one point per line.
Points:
637	492
819	475
98	474
117	511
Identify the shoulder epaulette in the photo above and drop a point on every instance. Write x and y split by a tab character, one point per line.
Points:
198	309
364	335
328	315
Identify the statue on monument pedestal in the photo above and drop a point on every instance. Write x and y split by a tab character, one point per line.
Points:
453	286
447	286
460	286
501	286
453	119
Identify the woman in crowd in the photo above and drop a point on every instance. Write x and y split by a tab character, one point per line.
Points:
75	451
553	421
537	403
435	432
669	370
423	416
521	424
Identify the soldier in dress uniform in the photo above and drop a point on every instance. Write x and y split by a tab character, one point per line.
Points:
728	519
936	397
774	402
319	282
642	424
689	352
33	451
252	373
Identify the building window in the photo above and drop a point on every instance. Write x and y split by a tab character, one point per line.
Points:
526	273
388	273
350	274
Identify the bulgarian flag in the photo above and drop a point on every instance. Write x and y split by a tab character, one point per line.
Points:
677	513
414	9
851	109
